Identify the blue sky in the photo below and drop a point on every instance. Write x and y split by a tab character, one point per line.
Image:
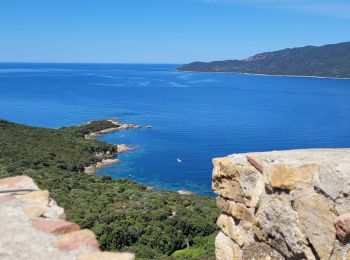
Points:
164	31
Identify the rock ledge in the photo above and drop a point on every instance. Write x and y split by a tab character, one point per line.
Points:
284	205
34	227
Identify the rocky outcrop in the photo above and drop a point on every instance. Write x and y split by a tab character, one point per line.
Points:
33	226
105	159
103	163
108	158
117	127
284	205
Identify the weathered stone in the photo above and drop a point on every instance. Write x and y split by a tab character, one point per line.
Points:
331	182
55	213
77	239
226	249
279	221
226	179
347	256
27	233
256	162
253	186
284	176
339	251
40	197
293	208
55	226
342	227
18	182
237	230
239	182
7	197
106	256
317	221
260	251
33	212
237	210
341	205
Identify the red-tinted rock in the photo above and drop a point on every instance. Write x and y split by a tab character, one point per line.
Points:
18	182
55	226
342	227
7	198
77	239
256	162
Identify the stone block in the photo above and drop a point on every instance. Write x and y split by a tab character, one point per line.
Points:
106	256
33	212
278	220
237	210
239	182
342	227
317	221
256	162
226	249
55	226
76	240
260	251
39	197
283	176
18	182
238	231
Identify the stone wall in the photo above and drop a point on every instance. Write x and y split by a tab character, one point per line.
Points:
284	205
33	226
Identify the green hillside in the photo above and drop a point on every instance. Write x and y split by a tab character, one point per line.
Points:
123	214
331	60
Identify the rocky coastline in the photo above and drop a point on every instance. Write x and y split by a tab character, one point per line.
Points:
105	159
117	127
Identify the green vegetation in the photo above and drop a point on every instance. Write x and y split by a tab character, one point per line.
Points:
331	60
202	249
124	215
94	126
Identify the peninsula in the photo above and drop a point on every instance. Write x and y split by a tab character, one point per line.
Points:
124	215
331	61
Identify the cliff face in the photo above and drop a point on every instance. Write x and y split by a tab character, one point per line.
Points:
284	205
33	226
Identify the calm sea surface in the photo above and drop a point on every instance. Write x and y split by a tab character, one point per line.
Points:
195	116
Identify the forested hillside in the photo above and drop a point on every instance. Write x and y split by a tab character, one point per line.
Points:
123	214
331	60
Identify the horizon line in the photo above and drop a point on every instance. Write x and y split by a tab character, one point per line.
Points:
78	62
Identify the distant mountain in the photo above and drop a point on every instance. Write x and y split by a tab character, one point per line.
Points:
331	60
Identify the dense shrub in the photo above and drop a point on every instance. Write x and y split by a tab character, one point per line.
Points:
124	215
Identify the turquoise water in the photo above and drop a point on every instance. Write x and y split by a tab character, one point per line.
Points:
195	116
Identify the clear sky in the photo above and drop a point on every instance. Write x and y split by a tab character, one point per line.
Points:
164	31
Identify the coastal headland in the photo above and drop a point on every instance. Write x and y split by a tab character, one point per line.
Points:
124	215
106	158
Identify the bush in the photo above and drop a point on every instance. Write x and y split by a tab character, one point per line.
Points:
124	215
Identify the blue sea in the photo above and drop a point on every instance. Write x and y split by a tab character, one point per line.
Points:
195	116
